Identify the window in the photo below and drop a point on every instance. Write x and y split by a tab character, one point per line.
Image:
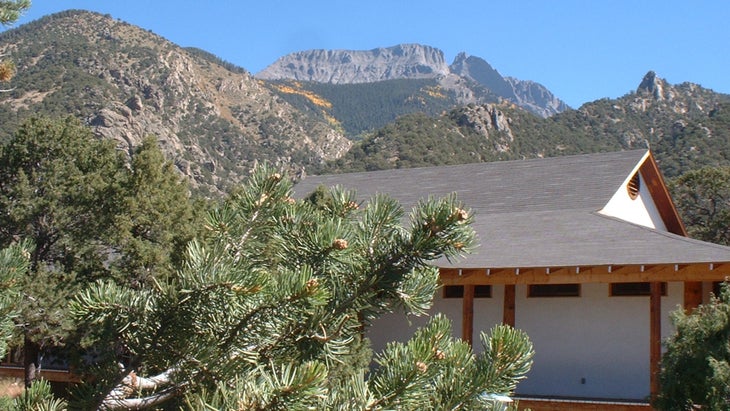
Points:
634	186
457	291
633	289
554	290
717	288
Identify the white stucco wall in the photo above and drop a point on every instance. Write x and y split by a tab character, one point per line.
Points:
641	210
589	346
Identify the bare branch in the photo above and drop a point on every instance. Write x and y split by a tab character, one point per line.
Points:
110	404
118	398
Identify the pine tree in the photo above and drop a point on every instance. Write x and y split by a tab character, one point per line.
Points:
274	299
13	265
10	11
154	218
702	197
695	370
89	214
56	191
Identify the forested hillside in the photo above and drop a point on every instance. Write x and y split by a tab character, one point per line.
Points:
215	121
366	107
212	119
686	126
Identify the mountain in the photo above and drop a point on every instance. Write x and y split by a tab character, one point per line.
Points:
685	125
212	119
216	120
527	94
467	80
411	61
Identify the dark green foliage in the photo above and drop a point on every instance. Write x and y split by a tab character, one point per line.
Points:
362	108
57	187
433	371
682	136
37	397
320	198
702	141
154	219
14	263
702	198
216	60
88	216
417	140
695	370
268	310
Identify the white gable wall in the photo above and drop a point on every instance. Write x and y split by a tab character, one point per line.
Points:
641	210
592	346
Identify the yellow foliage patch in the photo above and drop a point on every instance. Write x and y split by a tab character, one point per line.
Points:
434	92
7	70
314	98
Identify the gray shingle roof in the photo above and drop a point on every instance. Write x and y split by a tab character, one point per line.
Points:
538	212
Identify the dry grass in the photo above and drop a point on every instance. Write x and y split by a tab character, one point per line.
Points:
11	387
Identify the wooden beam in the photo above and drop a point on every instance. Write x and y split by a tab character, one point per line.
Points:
467	314
508	313
655	337
589	274
692	295
663	201
50	375
552	404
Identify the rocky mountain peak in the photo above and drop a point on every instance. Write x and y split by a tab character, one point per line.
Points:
479	70
411	61
655	86
527	94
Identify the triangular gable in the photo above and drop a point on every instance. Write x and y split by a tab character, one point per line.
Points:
643	199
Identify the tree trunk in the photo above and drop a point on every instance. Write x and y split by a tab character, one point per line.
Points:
31	351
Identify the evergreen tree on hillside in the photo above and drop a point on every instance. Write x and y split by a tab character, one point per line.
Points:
269	310
56	190
154	218
703	199
88	215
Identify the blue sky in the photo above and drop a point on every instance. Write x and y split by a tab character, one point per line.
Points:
580	50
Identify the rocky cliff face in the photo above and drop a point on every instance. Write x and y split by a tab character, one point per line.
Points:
535	97
665	100
490	122
527	94
471	80
480	71
354	66
127	83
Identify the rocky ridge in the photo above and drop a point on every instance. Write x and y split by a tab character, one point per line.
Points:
127	83
470	79
355	66
685	125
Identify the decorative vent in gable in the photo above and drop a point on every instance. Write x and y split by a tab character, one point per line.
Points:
634	186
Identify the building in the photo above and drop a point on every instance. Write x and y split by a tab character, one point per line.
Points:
586	253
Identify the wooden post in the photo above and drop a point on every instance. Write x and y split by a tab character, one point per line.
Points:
655	337
508	313
467	314
692	295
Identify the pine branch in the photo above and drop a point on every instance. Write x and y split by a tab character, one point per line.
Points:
111	404
118	397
